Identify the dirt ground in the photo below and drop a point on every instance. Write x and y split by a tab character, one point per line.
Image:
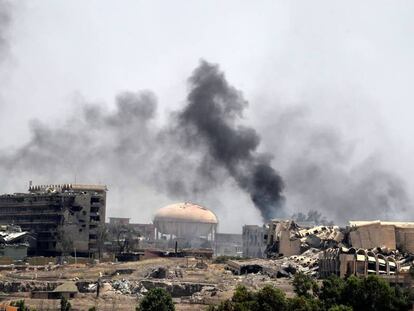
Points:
180	270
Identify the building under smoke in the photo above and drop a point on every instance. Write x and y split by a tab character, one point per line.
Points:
63	218
189	224
253	237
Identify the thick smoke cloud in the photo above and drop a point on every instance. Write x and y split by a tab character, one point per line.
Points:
5	19
203	146
323	173
212	114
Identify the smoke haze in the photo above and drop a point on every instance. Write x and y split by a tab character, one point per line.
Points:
4	24
299	110
204	145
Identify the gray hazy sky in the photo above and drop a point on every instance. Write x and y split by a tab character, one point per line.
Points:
349	62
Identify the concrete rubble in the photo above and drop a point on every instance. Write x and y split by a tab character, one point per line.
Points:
362	248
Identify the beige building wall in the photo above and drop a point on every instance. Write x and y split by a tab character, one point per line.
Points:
374	235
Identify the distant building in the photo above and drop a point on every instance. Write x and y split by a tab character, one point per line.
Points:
115	221
63	218
66	290
14	242
187	224
254	245
228	244
145	231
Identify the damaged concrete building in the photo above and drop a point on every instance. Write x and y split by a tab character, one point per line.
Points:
287	238
14	242
386	234
63	218
345	262
362	248
281	239
254	244
228	244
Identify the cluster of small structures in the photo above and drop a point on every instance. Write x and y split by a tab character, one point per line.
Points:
53	227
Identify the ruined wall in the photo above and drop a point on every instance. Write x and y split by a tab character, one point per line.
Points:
287	246
254	245
405	239
374	235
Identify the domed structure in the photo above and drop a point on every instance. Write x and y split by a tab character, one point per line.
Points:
186	220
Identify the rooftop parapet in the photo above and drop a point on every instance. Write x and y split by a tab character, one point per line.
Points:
67	187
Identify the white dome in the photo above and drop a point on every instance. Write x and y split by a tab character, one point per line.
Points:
186	212
185	219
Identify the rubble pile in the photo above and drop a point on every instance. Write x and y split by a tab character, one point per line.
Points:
364	247
320	237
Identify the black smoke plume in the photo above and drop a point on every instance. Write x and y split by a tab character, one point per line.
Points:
206	154
212	115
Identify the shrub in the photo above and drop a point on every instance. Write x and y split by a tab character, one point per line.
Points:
157	299
331	291
301	303
268	298
340	308
354	294
65	304
20	304
302	284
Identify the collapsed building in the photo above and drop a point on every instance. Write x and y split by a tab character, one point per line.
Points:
64	218
286	238
362	248
14	242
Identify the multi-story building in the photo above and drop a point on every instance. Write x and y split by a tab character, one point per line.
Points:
64	218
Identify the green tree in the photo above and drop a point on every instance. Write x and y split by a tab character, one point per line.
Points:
354	294
65	304
302	284
301	303
331	291
242	299
340	308
403	298
226	305
20	304
374	293
270	298
157	299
